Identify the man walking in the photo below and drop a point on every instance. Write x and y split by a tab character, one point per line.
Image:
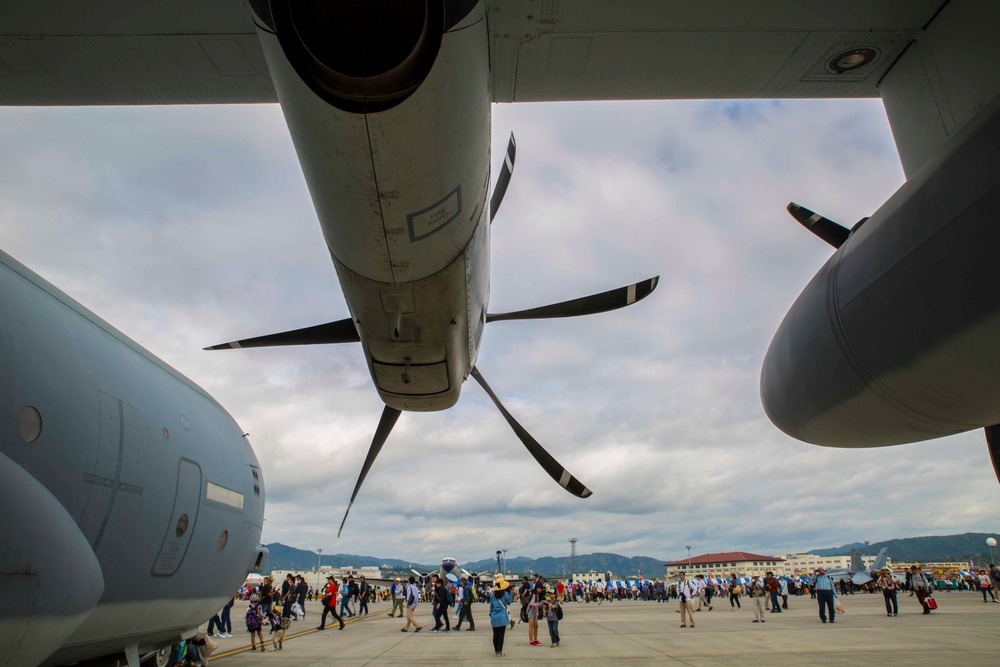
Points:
440	607
330	603
772	588
686	590
465	604
412	596
397	592
364	593
825	592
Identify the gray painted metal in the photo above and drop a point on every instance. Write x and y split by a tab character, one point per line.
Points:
895	339
57	52
115	534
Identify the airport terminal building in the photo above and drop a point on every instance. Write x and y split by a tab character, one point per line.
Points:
724	564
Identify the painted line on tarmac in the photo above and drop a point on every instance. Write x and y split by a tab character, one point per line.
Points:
244	649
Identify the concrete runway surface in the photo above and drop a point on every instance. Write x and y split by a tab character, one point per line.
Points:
962	631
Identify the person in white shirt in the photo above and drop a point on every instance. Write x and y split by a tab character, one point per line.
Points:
686	591
702	592
412	596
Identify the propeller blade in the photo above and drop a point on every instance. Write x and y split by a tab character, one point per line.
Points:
385	424
341	331
504	179
993	444
588	305
555	470
828	230
416	573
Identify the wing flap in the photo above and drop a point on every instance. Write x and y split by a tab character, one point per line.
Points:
716	49
124	53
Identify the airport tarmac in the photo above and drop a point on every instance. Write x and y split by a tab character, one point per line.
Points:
962	630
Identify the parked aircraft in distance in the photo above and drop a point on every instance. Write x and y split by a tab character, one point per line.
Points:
857	573
449	571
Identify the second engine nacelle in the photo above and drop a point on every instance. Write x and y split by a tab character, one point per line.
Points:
897	338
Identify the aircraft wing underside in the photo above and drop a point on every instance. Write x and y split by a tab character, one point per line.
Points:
58	52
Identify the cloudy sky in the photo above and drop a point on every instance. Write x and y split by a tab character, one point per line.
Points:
185	227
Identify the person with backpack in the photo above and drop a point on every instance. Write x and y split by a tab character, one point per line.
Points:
277	629
254	618
364	593
352	593
553	614
498	601
467	597
888	584
439	610
412	597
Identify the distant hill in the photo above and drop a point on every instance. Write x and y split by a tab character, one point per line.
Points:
289	558
620	566
932	548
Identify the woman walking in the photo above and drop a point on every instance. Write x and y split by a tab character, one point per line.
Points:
498	601
889	586
985	585
533	610
735	591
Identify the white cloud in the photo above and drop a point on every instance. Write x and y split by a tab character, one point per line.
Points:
190	226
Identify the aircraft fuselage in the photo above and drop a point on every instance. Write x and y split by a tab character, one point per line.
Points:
134	503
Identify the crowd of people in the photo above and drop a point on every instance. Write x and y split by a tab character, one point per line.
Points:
274	607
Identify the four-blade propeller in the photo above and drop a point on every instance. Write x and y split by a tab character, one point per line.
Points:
345	331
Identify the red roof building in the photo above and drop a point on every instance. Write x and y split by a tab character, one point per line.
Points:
725	563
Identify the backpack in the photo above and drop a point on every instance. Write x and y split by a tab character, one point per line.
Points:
253	621
559	613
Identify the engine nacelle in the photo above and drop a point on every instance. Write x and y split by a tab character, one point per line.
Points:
897	338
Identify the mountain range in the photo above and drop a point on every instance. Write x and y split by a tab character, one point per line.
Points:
950	548
956	548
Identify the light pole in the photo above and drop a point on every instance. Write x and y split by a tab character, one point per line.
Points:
868	553
688	547
319	558
991	542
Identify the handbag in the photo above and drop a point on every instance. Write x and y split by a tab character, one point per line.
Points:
931	602
840	608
